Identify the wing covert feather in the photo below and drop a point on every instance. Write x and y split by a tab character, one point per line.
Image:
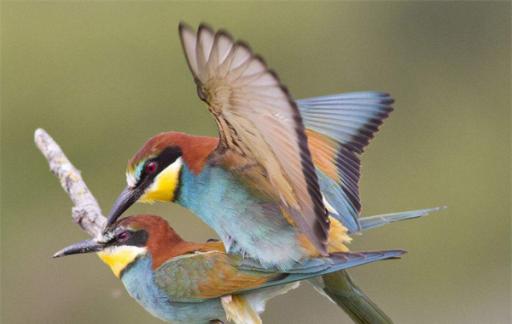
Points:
203	275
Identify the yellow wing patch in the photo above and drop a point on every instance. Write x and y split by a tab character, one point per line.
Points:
338	237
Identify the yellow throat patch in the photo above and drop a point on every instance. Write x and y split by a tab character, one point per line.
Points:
164	185
119	257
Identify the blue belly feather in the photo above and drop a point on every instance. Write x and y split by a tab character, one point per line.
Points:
247	225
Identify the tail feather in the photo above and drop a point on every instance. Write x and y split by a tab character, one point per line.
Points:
362	310
345	260
315	267
383	219
335	262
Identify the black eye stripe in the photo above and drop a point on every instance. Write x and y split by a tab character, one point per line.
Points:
137	238
168	156
163	160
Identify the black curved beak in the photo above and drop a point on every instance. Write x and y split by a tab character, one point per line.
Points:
127	198
85	246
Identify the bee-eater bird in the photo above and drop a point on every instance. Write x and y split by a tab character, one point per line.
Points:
280	183
186	282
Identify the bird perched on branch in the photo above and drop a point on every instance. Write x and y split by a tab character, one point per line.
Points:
280	183
186	282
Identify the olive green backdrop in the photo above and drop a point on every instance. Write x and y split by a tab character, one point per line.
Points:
103	77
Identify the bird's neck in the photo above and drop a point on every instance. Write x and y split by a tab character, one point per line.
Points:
197	150
138	280
168	251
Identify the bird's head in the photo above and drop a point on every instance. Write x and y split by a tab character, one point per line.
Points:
153	173
129	239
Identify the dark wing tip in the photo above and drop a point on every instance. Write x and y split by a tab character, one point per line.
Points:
367	131
244	44
223	32
182	27
260	59
322	224
204	27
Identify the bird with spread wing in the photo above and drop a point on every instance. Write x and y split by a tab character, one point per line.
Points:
279	185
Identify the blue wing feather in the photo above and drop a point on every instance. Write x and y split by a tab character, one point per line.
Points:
350	120
319	266
343	211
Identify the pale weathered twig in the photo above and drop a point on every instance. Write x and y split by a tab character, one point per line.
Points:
86	211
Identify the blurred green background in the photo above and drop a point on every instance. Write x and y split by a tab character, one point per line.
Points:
103	77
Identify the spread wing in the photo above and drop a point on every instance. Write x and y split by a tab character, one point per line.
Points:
259	124
203	275
339	127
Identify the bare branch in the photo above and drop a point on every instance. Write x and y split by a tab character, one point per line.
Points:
86	211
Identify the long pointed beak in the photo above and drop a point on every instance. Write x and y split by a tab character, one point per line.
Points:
85	246
127	198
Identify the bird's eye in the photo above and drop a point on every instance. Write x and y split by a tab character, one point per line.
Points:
151	167
123	236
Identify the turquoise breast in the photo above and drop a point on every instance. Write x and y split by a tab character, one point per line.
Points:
247	225
139	282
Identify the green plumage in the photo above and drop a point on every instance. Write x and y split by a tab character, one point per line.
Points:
361	309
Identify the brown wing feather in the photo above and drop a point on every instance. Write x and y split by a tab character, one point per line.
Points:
203	275
259	122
